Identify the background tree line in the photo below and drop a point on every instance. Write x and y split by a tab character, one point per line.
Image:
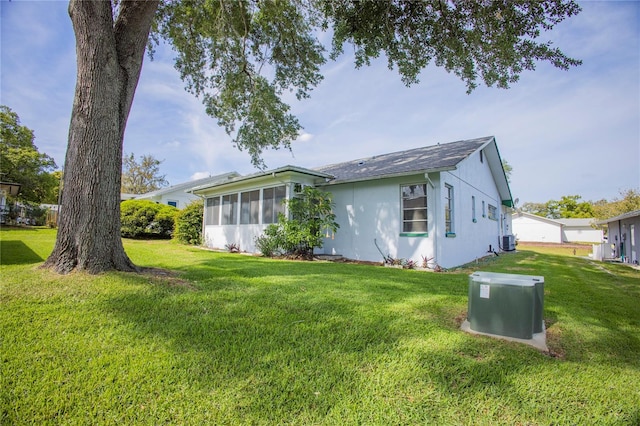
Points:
572	206
40	183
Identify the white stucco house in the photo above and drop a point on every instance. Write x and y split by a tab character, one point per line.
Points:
528	227
578	230
449	202
623	238
177	195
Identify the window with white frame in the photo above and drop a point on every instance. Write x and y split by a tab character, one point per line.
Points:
212	211
250	207
414	208
448	209
229	209
272	203
493	212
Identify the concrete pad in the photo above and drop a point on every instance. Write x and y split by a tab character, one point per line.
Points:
538	340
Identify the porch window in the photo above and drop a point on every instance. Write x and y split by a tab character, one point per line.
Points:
212	213
250	207
448	210
229	209
272	203
414	208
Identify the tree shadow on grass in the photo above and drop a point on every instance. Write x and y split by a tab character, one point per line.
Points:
17	253
288	349
280	334
573	290
276	349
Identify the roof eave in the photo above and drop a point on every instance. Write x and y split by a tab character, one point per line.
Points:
497	170
261	175
623	216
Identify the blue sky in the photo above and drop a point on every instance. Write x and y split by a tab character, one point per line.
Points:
563	132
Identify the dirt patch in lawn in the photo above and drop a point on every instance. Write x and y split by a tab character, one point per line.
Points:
166	277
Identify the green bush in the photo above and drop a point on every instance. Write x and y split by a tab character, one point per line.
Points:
270	242
311	214
189	223
146	219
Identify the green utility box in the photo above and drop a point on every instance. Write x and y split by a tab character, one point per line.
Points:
506	304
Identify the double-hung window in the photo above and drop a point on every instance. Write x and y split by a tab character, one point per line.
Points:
414	208
272	203
448	210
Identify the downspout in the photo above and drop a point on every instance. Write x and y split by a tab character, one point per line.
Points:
435	218
620	244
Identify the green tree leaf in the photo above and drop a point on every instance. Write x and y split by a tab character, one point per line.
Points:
21	162
143	176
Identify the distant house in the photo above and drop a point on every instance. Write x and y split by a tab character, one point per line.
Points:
578	230
532	228
177	195
623	238
450	203
6	189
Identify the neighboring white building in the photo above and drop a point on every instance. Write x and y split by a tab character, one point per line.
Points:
623	238
449	202
177	195
532	228
580	231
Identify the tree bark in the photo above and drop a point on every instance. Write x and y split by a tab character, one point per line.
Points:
109	61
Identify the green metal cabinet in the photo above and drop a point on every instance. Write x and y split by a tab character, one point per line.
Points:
506	304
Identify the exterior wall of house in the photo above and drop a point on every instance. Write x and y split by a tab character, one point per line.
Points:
371	211
624	239
472	183
529	229
179	197
581	234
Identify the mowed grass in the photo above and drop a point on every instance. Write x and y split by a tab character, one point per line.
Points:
234	339
583	249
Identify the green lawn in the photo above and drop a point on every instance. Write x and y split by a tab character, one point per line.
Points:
234	339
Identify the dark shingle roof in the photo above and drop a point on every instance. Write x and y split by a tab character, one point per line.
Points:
428	158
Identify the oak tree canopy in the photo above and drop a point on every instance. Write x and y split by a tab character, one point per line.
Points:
240	57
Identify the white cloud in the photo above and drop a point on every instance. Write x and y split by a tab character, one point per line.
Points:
304	136
199	175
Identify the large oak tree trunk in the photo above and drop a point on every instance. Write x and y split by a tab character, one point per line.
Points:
109	59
